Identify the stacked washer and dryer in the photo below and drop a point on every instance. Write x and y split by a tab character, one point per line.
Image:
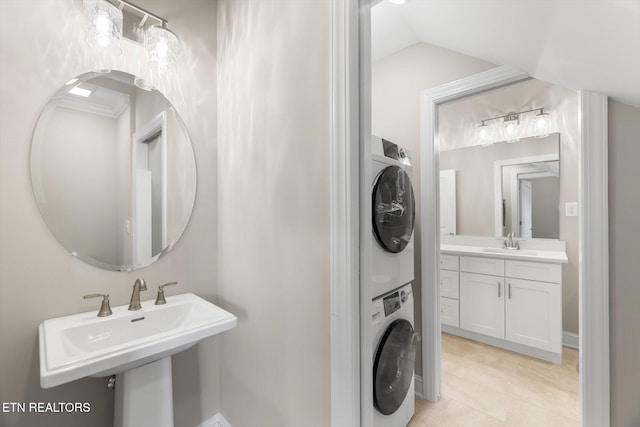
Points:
391	285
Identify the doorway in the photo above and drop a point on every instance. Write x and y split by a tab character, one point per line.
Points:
593	227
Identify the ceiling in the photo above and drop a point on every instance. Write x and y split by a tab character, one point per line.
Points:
579	44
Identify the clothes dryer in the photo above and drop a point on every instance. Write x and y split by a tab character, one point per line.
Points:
393	216
394	356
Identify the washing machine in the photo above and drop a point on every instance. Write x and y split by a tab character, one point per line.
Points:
394	355
393	216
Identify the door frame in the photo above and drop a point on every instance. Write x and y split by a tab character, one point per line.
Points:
593	236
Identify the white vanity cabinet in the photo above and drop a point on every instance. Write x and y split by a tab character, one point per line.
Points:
482	304
449	290
533	308
509	303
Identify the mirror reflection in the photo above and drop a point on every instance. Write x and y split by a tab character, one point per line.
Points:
502	188
113	171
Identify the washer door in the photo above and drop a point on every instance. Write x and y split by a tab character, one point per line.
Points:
393	367
393	209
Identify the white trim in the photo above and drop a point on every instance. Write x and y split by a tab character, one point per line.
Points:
571	340
418	385
344	193
429	215
216	421
366	231
155	126
594	245
507	345
594	261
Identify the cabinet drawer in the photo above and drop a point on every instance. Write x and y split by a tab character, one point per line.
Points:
492	266
449	262
449	284
534	271
449	312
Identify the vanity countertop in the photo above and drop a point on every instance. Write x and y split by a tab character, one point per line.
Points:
556	257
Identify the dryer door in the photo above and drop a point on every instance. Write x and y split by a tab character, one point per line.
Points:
393	209
393	367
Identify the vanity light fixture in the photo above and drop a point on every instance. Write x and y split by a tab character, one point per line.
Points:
514	127
109	21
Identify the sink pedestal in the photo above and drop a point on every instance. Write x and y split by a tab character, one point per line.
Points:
144	396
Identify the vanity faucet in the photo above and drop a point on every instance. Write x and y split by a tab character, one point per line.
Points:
139	285
509	242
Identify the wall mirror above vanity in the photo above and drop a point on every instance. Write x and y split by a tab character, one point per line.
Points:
113	171
505	188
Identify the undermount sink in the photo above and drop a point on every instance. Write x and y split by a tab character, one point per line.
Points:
512	251
82	345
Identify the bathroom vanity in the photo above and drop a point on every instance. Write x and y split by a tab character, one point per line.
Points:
507	298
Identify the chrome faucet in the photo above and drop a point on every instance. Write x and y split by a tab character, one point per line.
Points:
509	243
139	285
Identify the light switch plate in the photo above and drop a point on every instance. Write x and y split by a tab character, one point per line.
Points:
571	209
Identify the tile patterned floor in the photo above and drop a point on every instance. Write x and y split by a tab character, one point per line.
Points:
484	386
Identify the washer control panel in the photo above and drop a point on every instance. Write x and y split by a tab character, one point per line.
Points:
390	303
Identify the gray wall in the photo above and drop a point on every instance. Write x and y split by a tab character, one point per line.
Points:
42	47
624	250
273	175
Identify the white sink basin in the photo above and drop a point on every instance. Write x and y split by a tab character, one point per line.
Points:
81	345
510	251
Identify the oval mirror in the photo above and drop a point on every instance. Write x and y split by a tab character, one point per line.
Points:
113	171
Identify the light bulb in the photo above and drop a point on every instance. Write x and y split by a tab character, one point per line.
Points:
542	124
511	123
483	134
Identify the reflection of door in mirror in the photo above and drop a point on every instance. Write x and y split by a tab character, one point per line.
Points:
448	202
531	194
524	209
149	190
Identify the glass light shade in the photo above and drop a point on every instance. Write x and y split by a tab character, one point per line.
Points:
103	26
542	124
511	130
484	135
163	47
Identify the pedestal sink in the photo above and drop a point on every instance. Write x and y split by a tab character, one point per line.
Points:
136	346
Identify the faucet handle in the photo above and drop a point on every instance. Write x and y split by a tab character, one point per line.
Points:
160	298
105	309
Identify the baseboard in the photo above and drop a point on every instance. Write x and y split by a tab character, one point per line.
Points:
507	345
569	339
216	421
419	390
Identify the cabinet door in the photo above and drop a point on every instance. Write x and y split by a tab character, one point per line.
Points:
534	314
482	304
449	284
449	312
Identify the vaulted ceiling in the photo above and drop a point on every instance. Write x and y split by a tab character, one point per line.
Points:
579	44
